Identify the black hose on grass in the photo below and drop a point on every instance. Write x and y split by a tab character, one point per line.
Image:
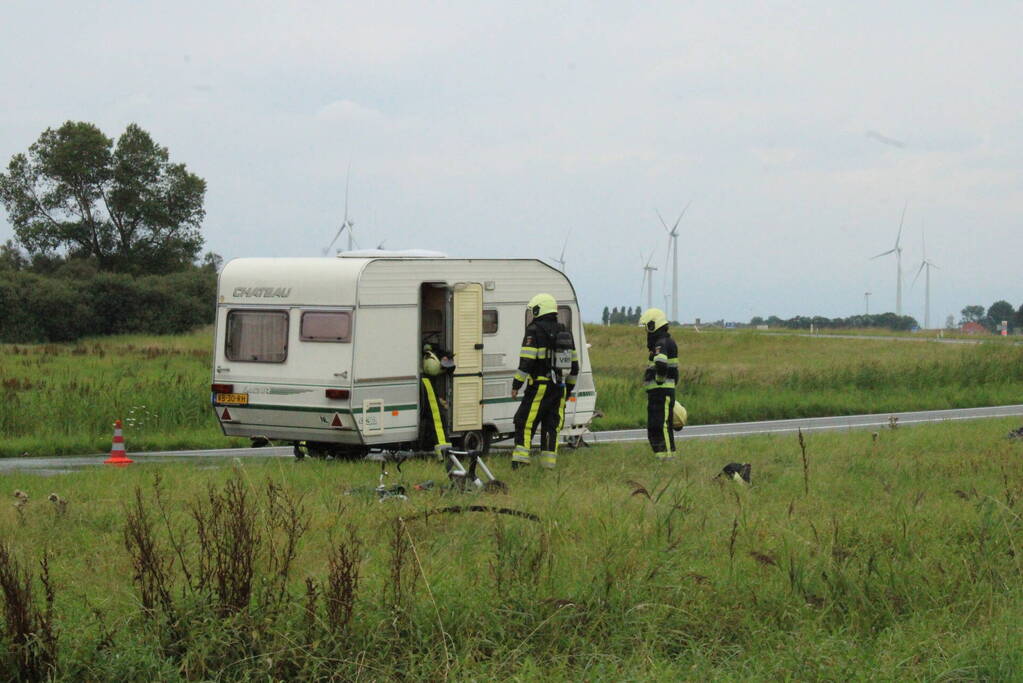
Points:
457	509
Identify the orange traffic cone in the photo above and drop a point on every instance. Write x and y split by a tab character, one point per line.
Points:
117	455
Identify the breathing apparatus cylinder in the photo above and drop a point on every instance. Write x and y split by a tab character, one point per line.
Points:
561	355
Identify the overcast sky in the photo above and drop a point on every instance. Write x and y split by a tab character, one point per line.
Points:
797	130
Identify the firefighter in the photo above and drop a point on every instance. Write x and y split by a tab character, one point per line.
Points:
659	380
548	367
436	362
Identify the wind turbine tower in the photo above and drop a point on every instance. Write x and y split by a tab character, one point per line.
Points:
897	250
866	301
648	280
673	248
561	261
926	264
345	222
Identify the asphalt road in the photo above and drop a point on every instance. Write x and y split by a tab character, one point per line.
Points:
881	337
216	457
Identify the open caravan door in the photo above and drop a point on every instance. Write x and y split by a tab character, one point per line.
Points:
467	345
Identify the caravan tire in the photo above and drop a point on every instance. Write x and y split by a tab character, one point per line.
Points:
476	440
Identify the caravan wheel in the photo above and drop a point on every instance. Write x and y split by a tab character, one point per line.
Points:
476	441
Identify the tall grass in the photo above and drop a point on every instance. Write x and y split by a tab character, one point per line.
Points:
896	557
64	398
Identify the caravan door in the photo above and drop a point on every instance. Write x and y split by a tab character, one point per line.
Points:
467	345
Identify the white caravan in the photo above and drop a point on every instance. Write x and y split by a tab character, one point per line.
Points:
328	351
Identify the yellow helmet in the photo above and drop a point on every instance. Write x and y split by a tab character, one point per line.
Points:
679	416
431	366
653	319
542	304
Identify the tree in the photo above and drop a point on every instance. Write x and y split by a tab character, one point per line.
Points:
212	262
999	311
950	322
972	314
11	257
605	317
126	205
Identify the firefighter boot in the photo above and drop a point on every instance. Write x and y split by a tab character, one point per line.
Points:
520	457
548	460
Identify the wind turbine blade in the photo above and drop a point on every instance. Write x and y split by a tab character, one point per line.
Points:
882	254
661	218
919	270
674	229
903	218
348	178
340	230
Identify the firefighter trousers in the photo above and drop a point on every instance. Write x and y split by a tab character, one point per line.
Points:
543	407
659	406
431	417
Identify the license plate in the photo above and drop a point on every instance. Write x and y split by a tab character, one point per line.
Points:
233	399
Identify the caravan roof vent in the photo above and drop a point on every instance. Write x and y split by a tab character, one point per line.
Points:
391	253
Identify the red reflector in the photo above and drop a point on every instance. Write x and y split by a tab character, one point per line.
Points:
222	388
337	393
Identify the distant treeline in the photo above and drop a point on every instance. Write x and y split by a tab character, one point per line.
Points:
75	302
888	321
621	316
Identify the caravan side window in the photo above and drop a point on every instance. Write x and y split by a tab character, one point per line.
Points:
489	321
564	317
326	326
257	336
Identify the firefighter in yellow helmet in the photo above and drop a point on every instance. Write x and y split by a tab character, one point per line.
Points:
548	367
436	362
659	380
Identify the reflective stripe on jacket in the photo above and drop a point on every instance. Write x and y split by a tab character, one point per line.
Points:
662	368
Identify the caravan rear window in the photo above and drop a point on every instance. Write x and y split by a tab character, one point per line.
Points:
326	326
257	336
564	317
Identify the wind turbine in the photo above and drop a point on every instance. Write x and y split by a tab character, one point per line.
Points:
925	263
561	261
648	280
866	300
673	248
345	222
897	250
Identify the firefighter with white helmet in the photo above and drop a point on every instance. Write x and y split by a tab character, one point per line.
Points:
548	367
659	381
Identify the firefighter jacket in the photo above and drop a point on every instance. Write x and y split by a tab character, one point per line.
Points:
537	354
662	368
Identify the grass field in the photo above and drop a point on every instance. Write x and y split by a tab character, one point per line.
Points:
63	398
738	376
895	556
60	399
